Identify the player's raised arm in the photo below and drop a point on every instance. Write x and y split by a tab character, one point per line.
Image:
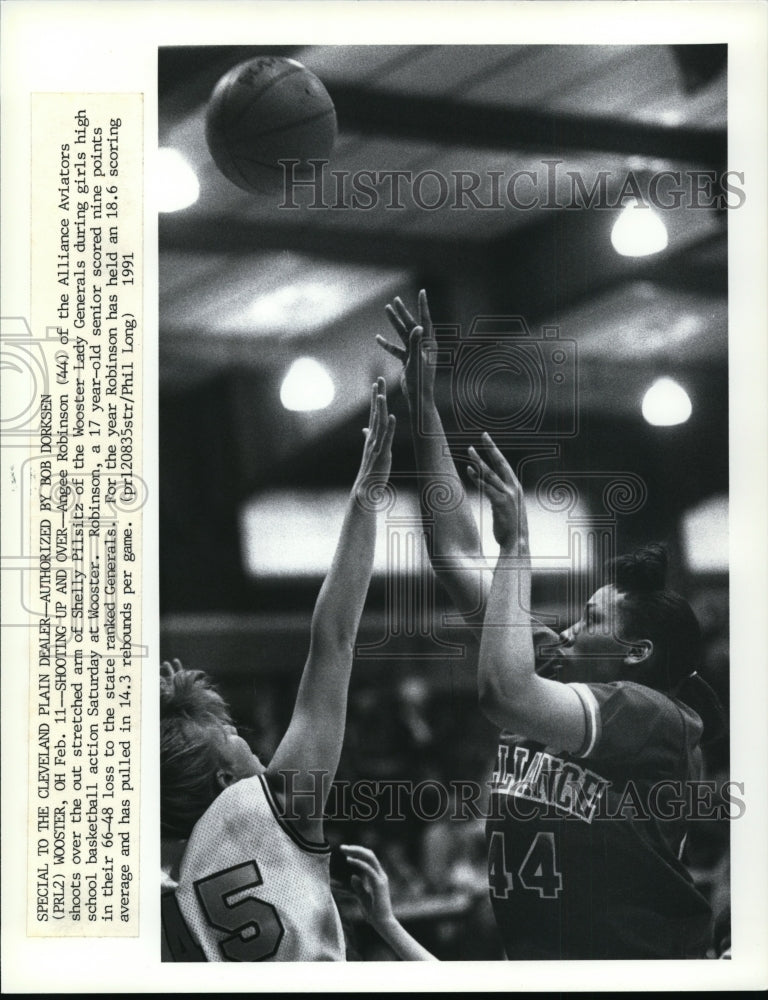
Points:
312	744
456	549
511	694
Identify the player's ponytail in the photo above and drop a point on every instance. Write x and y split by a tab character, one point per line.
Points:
650	611
695	691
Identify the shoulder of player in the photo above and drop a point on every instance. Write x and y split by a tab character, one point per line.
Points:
233	812
307	835
618	704
628	693
640	695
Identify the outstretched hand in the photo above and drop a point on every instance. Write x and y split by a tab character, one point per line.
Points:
377	453
369	883
167	670
502	487
417	352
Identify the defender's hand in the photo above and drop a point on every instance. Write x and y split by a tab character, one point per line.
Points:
417	354
377	453
503	489
369	883
167	670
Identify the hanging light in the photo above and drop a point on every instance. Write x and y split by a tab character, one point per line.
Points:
666	403
638	231
176	183
307	386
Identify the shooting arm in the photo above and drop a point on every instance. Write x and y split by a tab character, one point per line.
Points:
512	695
454	543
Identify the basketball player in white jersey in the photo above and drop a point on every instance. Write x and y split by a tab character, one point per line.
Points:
245	860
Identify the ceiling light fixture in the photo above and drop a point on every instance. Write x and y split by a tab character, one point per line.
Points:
176	183
666	403
307	386
638	231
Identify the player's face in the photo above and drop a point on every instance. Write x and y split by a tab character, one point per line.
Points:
592	649
240	759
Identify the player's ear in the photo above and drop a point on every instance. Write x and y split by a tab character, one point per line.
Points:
639	652
224	778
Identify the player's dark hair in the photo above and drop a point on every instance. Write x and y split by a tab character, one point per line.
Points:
650	611
193	716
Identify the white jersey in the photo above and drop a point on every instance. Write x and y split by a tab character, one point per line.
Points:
251	888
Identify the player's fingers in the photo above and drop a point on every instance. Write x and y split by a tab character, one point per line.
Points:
396	352
177	665
487	480
384	444
381	421
372	409
364	868
415	341
390	432
485	471
403	312
397	324
424	318
358	852
496	496
500	464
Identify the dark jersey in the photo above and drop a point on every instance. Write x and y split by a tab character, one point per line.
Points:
584	849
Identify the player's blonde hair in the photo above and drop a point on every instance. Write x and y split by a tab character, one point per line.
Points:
193	717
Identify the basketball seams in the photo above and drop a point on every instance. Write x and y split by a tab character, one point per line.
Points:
250	159
286	126
257	96
224	138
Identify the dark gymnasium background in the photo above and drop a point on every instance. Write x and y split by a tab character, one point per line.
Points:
251	486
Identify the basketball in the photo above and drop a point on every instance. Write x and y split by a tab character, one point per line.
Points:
266	110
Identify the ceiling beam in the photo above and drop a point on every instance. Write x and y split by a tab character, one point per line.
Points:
335	241
368	110
519	269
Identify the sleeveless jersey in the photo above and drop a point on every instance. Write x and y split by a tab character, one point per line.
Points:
584	849
251	888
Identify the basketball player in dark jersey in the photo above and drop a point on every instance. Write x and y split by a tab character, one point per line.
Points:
245	862
598	743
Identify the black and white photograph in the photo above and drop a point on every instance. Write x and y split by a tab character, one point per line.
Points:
443	362
383	463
